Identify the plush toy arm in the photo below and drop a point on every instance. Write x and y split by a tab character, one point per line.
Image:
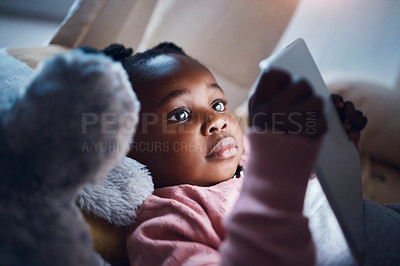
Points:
119	195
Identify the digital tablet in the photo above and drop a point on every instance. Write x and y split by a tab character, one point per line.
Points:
338	164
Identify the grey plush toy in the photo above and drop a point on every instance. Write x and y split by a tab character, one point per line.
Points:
50	139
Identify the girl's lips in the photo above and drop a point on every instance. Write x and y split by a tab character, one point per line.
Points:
224	149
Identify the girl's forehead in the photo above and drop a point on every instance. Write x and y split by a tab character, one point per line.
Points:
163	65
167	65
172	73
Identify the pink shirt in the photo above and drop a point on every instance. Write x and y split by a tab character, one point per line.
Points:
191	225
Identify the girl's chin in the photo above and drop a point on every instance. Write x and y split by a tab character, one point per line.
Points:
226	175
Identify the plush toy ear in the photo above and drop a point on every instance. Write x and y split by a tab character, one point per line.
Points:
75	121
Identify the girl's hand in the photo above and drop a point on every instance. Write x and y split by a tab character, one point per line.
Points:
281	105
353	120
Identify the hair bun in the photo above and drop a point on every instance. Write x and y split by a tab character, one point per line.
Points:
169	47
117	51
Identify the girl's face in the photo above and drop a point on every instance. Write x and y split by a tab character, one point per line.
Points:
186	134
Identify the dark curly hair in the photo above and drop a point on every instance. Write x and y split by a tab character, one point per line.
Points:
134	63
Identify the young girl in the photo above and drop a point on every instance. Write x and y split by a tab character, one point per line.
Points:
202	211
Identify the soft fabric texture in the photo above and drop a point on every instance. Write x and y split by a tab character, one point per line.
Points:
187	229
42	159
382	234
188	225
331	246
381	224
117	197
111	205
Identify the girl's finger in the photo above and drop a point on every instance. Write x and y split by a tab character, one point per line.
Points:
337	100
357	125
363	123
349	111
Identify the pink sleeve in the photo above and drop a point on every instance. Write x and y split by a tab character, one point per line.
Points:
267	226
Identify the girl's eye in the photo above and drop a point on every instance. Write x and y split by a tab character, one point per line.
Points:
179	115
219	106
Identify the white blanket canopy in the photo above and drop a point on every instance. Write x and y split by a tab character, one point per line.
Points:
229	36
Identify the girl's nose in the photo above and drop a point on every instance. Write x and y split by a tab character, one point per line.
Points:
214	123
